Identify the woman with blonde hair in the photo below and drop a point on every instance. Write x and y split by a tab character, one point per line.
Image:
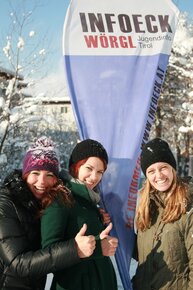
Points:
164	223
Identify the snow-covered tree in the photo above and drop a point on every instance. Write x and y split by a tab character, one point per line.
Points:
23	55
18	56
174	116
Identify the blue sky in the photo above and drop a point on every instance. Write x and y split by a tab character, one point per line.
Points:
49	18
185	5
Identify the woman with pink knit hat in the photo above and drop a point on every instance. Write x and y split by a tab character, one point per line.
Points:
23	196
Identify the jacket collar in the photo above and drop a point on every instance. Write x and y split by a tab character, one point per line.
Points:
79	188
17	188
158	197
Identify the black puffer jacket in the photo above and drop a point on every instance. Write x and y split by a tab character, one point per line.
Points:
23	265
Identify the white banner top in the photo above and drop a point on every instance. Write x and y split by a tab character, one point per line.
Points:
123	27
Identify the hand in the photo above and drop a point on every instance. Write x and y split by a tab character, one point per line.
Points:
85	244
108	244
105	215
104	234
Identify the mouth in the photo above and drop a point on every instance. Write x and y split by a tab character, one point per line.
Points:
90	184
40	190
161	182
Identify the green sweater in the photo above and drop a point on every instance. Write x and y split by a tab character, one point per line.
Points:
61	223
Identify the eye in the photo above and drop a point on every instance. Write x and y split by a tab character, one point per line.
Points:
50	174
150	172
34	172
164	167
88	167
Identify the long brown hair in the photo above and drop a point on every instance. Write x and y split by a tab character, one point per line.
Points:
57	190
175	203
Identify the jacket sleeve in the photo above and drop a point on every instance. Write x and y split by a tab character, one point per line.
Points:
14	248
189	246
53	224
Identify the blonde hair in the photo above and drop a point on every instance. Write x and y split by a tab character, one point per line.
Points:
175	203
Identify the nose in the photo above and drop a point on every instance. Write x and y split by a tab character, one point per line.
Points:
41	179
158	174
94	176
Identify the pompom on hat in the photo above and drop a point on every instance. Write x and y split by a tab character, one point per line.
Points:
156	150
42	155
88	148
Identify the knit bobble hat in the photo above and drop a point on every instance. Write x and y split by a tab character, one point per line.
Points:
42	155
156	150
87	148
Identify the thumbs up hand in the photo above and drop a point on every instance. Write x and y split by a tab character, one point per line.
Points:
104	234
85	244
108	244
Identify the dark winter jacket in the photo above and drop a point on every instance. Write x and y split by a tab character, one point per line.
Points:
61	223
23	265
165	251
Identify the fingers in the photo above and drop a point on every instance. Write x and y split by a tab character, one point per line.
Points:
113	241
82	230
85	244
109	246
109	228
104	234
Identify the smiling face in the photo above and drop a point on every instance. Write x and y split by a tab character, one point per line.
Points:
160	175
40	182
91	172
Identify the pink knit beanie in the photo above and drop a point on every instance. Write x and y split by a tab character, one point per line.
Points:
41	156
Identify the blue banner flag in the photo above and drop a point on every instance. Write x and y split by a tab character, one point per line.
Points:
115	58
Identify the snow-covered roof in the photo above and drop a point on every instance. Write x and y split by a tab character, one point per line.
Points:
8	74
